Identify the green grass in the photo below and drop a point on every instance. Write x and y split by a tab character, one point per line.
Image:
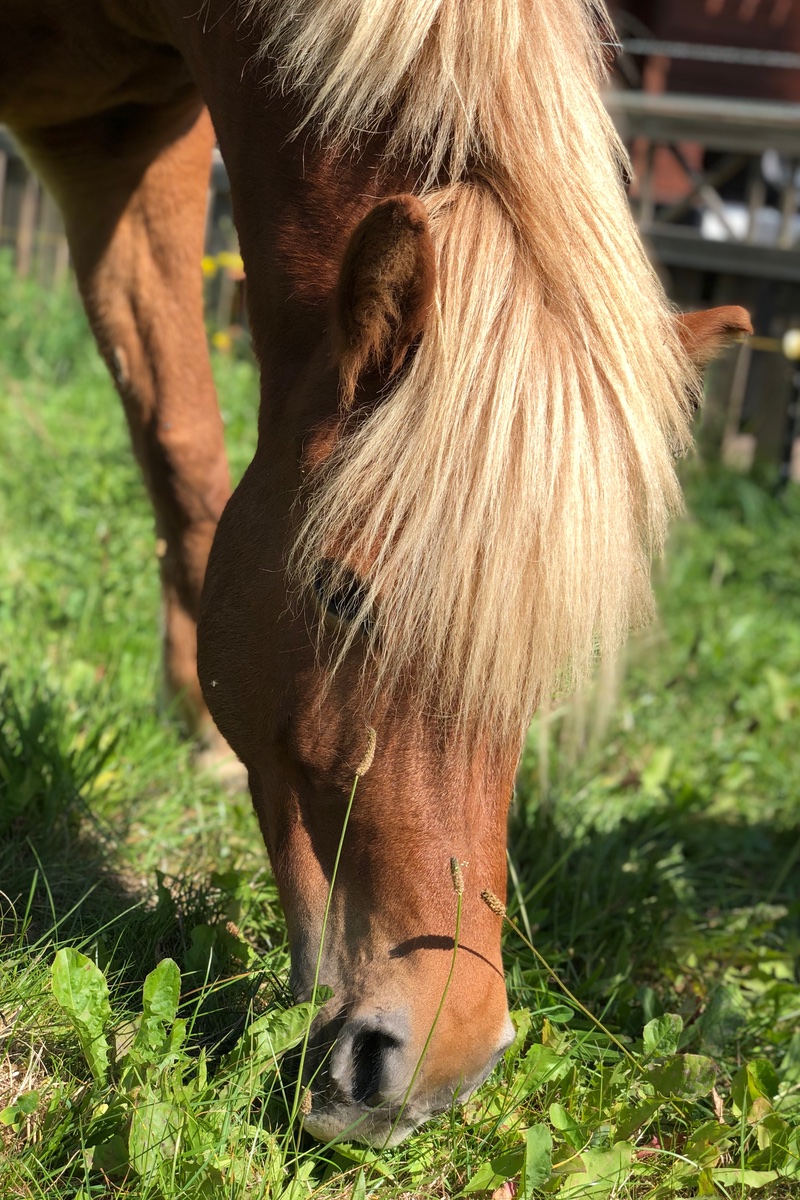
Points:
655	853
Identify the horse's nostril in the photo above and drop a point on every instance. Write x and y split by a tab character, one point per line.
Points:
367	1064
369	1053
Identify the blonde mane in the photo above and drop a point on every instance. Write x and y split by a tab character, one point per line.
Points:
508	494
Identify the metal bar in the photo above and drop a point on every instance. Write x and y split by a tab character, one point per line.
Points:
704	190
738	56
725	171
739	126
676	246
647	203
788	207
756	198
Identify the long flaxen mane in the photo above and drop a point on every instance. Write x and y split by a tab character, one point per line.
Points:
505	499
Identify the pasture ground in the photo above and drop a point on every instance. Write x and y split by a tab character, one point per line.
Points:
655	865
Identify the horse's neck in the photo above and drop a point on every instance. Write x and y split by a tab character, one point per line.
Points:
294	203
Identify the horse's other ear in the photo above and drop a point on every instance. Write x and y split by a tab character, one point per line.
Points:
386	287
705	334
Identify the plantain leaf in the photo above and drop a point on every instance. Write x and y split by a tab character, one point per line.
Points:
272	1034
661	1036
537	1162
155	1129
80	988
684	1076
160	996
494	1174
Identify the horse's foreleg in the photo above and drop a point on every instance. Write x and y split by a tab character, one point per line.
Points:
132	185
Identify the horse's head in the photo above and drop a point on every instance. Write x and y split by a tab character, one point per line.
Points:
291	666
426	794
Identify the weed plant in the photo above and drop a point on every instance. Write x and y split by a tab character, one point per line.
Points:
654	864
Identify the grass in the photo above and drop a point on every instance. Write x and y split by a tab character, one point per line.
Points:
655	868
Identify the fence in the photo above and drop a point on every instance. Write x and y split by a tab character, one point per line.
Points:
31	229
717	197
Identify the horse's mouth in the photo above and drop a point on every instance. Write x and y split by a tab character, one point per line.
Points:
380	1127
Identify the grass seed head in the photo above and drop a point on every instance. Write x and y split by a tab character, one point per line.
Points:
492	902
458	876
369	753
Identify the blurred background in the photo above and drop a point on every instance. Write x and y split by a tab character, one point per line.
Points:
706	99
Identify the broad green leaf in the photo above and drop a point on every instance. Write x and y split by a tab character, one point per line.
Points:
772	1131
762	1079
160	996
111	1157
200	955
177	1036
661	1036
81	989
726	1013
754	1081
23	1106
271	1035
277	1032
365	1156
604	1172
155	1127
493	1174
560	1014
28	1102
707	1143
656	773
683	1077
537	1163
705	1183
161	992
744	1178
632	1117
359	1191
521	1020
540	1065
566	1124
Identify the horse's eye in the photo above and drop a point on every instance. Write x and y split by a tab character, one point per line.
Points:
340	595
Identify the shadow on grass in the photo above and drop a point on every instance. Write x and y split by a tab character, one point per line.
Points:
671	911
63	881
654	912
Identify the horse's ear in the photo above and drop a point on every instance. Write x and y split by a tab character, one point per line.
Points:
386	287
705	334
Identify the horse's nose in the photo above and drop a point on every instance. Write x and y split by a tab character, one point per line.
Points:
369	1064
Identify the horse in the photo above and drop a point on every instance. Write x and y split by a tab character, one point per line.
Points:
472	394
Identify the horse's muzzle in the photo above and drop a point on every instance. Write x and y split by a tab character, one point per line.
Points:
372	1088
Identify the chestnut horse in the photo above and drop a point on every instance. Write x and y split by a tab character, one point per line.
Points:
472	391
